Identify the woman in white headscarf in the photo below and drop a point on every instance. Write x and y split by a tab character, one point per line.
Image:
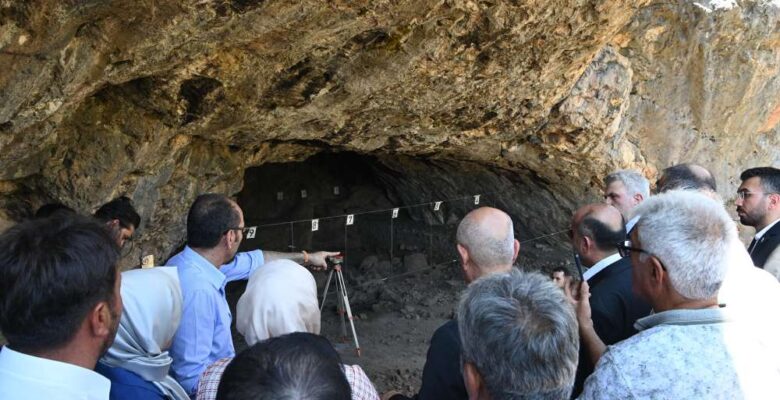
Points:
138	362
280	298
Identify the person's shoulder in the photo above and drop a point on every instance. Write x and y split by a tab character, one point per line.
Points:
447	331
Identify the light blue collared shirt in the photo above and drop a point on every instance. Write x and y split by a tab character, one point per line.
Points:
204	333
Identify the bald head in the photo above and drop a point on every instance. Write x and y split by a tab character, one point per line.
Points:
686	177
602	223
487	234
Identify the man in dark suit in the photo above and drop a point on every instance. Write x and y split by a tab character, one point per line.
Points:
486	245
758	205
595	230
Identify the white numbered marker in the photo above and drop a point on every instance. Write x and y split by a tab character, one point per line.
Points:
315	225
350	219
250	233
279	195
336	190
436	206
476	199
304	194
395	213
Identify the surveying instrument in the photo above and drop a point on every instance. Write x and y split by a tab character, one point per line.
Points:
342	298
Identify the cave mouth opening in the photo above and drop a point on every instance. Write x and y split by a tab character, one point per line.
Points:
307	205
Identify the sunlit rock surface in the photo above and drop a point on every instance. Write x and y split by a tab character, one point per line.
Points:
163	99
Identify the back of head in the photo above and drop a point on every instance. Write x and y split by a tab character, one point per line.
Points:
297	366
53	271
488	235
770	178
634	182
604	224
686	177
121	208
520	333
280	298
210	216
692	235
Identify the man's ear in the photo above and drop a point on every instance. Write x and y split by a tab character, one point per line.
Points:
100	319
517	251
774	201
659	275
638	198
472	380
464	255
587	244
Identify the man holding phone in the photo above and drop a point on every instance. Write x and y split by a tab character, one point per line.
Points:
596	229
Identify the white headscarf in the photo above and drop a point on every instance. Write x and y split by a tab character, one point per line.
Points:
152	302
280	298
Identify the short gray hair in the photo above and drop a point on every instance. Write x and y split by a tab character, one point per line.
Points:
520	333
632	180
487	247
691	235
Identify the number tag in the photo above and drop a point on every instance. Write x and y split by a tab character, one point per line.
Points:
395	213
315	225
304	194
250	233
436	206
350	219
279	195
476	199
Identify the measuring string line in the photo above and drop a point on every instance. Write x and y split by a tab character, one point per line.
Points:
373	211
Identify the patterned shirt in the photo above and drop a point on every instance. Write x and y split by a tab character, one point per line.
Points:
362	388
689	354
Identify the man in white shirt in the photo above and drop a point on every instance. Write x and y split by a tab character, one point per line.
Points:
624	190
59	308
758	205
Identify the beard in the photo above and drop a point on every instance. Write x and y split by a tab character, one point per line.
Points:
748	219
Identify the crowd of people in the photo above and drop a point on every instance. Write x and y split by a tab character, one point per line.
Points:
670	305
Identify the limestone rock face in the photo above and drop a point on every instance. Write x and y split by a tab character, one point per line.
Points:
164	99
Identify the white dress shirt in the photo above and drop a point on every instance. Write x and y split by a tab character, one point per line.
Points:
631	222
599	266
26	377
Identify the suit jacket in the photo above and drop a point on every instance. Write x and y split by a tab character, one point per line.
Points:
765	246
614	309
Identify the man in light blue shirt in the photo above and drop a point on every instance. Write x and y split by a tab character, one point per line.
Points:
210	260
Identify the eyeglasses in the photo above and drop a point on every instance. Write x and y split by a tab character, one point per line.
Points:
243	229
625	249
743	194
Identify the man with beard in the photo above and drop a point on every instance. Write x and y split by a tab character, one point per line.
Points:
59	308
215	226
758	205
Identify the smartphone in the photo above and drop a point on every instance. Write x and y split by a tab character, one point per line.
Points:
578	263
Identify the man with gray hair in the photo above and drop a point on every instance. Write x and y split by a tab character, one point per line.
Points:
486	245
624	190
690	347
519	338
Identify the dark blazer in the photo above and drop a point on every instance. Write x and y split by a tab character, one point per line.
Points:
442	377
768	243
614	309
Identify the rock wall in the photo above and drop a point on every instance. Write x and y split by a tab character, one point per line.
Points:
163	99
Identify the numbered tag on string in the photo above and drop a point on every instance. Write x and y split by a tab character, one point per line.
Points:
250	232
476	200
436	206
304	194
395	213
279	196
350	219
315	225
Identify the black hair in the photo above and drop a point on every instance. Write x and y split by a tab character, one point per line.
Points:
560	269
605	237
294	366
121	208
683	176
50	209
770	178
210	216
53	271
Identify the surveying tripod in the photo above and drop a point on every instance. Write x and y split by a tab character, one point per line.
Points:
342	298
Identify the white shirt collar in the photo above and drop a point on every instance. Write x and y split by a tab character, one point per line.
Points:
25	375
599	266
760	234
631	222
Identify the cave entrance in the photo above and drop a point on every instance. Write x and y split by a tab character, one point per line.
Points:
402	275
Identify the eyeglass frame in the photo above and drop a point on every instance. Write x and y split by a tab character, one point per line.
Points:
625	249
243	230
744	193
